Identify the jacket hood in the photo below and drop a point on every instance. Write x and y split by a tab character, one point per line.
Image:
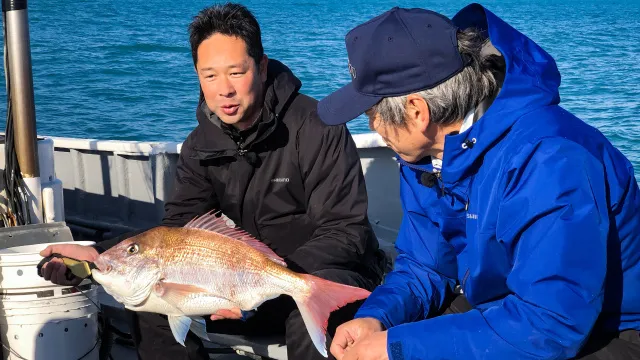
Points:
280	88
531	81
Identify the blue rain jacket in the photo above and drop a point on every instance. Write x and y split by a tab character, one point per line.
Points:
538	221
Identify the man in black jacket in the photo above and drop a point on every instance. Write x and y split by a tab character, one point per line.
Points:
261	155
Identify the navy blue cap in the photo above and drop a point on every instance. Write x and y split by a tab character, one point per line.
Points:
397	53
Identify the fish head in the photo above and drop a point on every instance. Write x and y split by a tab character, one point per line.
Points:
129	270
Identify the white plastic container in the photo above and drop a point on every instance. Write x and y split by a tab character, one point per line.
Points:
40	320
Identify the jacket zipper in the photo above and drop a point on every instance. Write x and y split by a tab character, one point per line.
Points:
240	144
440	181
464	280
466	276
241	150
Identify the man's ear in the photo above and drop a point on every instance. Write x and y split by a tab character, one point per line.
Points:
417	112
263	68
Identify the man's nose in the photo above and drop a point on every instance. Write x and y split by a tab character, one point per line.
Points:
226	88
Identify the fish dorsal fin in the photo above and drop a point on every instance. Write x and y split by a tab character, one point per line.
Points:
219	224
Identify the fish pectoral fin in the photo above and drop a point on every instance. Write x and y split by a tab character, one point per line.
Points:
188	298
175	288
179	327
175	293
199	327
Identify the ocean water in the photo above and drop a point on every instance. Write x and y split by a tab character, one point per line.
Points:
114	69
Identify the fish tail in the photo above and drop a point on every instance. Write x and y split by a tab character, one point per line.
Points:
316	306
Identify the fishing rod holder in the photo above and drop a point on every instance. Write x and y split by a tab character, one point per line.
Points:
20	103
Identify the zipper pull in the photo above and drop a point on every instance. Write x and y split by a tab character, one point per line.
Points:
241	151
439	176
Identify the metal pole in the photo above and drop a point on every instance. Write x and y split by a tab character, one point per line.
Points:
18	48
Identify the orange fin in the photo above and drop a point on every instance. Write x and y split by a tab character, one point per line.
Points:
175	294
162	288
183	296
326	296
211	222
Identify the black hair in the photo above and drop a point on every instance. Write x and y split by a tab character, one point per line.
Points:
228	19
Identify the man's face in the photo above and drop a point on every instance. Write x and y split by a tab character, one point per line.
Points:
230	79
409	142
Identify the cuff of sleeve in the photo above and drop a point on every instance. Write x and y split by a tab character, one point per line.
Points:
397	341
411	341
377	314
99	248
442	337
386	306
246	315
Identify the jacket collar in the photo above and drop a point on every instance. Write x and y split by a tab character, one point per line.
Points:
531	80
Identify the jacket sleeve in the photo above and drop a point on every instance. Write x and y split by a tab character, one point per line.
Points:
424	271
193	193
554	214
336	200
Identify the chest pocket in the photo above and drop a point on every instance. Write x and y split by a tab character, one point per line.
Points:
453	230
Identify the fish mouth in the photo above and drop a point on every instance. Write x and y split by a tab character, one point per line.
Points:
102	266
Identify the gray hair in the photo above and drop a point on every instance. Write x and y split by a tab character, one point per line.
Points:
450	101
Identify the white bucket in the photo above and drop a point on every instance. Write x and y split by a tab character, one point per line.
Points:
40	320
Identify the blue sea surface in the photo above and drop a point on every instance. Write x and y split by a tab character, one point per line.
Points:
114	69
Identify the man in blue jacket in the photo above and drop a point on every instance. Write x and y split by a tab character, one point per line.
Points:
507	198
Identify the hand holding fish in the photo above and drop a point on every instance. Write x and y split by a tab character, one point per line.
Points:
55	269
350	334
234	314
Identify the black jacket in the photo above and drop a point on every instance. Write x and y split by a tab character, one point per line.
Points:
291	181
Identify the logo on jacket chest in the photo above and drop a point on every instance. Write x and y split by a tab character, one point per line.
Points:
280	180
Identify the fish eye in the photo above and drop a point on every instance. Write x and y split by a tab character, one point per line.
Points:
133	249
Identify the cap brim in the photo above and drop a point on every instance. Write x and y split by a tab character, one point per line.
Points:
344	105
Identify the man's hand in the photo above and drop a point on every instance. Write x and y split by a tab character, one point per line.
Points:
372	347
234	314
54	270
350	333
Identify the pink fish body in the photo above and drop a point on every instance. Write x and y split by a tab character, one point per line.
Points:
190	272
